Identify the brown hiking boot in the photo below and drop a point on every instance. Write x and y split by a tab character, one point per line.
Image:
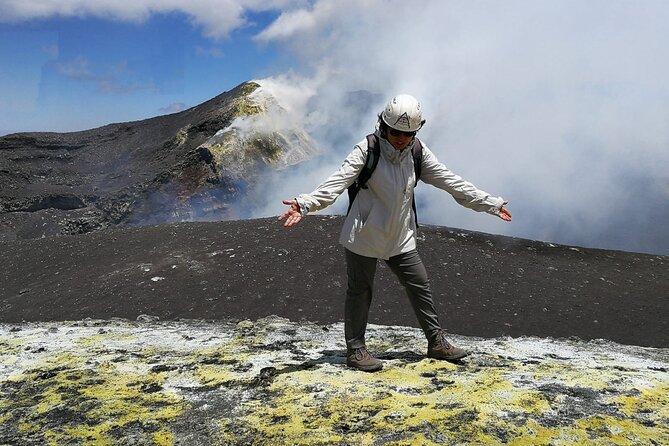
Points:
361	359
440	348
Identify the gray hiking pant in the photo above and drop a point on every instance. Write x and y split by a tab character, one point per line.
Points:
409	269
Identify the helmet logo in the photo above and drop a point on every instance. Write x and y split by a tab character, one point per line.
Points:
403	120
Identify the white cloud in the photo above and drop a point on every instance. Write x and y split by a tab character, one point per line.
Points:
300	21
217	18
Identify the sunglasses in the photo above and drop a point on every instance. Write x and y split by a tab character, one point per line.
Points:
394	132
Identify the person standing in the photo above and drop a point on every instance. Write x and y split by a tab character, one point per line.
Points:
381	224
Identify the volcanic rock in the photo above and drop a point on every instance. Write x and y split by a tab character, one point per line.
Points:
483	285
193	165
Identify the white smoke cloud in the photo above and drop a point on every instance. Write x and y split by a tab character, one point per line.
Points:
559	106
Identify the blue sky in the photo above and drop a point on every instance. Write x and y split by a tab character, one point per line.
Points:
559	106
71	73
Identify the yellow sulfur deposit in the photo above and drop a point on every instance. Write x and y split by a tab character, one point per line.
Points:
273	381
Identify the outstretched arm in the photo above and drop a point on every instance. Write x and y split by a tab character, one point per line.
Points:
292	215
464	192
328	191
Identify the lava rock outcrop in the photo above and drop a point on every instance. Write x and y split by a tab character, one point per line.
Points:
194	165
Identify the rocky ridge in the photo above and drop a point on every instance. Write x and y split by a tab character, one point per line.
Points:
194	165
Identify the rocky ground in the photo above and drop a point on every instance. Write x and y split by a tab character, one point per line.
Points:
483	285
273	381
230	333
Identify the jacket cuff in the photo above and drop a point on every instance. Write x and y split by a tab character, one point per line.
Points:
304	210
497	207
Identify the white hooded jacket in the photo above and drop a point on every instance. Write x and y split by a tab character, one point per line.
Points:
380	223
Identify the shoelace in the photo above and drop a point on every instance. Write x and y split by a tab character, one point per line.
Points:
360	353
441	339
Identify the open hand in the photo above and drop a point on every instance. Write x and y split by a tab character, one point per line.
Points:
504	213
292	215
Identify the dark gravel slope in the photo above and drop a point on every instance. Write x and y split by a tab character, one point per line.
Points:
483	285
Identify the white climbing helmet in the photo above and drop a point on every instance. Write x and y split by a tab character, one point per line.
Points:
403	113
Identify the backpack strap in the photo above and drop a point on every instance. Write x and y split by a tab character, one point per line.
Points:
417	153
373	155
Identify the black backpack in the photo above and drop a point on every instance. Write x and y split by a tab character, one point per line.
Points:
373	155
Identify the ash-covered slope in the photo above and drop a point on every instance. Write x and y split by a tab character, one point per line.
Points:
483	285
192	165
